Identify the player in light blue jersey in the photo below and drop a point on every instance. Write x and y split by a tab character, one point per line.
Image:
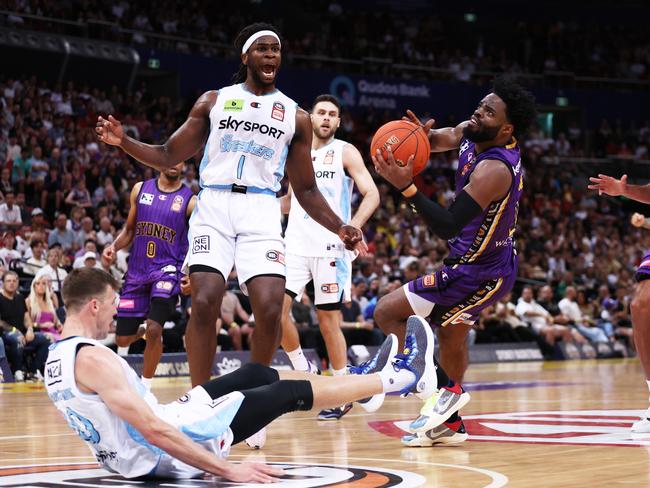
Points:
250	131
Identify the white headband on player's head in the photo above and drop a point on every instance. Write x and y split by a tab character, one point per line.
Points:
249	42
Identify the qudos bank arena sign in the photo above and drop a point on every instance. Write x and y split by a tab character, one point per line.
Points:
362	92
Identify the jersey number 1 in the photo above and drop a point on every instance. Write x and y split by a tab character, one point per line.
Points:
240	166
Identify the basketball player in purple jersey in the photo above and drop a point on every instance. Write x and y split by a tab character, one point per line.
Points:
251	131
640	306
480	225
157	226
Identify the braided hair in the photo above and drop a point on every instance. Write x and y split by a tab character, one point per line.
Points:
242	72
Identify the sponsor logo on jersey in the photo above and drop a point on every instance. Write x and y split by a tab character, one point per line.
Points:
228	144
329	157
248	126
126	303
297	475
275	256
177	204
201	244
234	105
327	175
153	229
465	169
146	199
277	112
53	372
162	197
256	104
429	281
572	427
329	287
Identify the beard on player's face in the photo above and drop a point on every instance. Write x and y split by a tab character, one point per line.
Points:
481	133
173	175
324	132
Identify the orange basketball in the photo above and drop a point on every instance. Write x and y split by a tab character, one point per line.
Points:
404	138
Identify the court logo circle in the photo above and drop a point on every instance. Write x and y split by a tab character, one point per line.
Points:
297	475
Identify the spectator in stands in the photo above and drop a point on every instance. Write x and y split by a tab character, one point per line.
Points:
9	255
10	216
89	247
37	260
356	329
5	182
85	232
19	330
62	235
41	306
52	196
53	271
106	233
541	320
79	196
234	321
585	325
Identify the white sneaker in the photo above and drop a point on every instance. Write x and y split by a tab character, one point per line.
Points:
445	434
19	376
257	440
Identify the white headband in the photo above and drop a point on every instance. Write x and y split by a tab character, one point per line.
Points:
256	36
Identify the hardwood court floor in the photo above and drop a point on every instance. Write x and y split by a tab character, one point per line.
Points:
553	424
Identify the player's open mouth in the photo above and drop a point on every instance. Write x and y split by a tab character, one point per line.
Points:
474	121
268	71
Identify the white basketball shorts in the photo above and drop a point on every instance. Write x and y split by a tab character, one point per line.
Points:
235	229
332	277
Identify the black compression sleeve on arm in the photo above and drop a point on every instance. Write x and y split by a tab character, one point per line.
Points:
444	222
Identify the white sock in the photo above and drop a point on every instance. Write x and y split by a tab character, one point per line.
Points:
392	380
339	372
298	359
146	382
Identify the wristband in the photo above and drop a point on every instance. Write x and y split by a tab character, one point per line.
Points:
409	191
405	188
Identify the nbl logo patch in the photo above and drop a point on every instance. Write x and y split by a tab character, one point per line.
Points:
275	256
277	112
329	288
177	203
201	244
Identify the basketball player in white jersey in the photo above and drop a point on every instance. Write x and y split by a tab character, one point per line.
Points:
250	130
315	253
130	433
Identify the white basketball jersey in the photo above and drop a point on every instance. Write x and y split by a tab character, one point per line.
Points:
249	140
304	236
117	446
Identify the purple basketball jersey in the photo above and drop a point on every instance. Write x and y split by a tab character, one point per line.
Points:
487	242
643	271
160	231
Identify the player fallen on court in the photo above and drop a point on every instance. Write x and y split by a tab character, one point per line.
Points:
249	131
316	254
640	305
131	433
480	225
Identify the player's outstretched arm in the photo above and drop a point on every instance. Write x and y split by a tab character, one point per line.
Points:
444	139
613	187
182	144
303	182
356	168
98	371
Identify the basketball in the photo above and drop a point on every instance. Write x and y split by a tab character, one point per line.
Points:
405	139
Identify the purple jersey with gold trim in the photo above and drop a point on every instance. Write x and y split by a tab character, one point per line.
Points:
487	242
160	231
